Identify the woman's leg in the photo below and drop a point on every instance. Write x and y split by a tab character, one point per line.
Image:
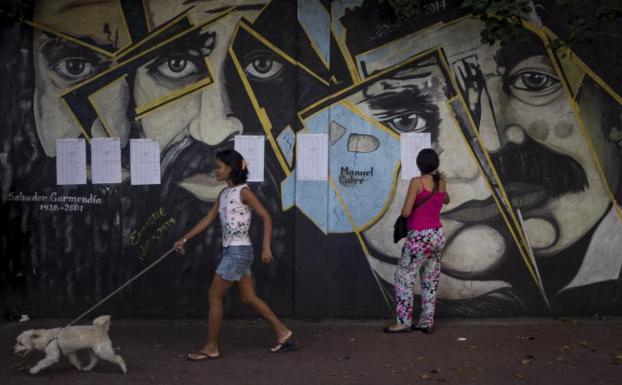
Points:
217	292
430	273
404	282
250	298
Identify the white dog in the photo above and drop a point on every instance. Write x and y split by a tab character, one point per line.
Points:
69	340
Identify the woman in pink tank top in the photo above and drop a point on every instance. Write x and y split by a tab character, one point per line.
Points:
423	248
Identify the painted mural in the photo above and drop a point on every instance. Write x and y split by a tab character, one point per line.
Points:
530	140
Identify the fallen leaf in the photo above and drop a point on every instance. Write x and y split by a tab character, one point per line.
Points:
526	362
529	338
425	376
518	375
419	358
436	370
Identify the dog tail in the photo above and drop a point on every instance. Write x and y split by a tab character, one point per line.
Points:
102	322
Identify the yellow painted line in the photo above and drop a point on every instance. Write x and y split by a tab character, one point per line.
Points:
482	175
584	131
79	42
276	49
261	112
86	135
315	48
357	111
122	53
141	54
172	96
496	177
97	110
347	57
127	28
334	97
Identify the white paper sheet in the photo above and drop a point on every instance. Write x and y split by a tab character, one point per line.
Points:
312	157
145	161
70	161
106	160
252	148
410	146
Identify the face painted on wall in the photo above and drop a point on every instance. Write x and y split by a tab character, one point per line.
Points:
539	151
189	127
60	64
416	101
529	128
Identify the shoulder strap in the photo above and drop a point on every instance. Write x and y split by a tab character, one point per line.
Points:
424	200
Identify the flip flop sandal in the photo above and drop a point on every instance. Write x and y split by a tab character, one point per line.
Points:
284	346
402	330
200	356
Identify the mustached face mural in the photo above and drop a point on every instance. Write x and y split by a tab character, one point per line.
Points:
529	140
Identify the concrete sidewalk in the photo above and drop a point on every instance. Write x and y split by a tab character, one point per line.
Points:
496	352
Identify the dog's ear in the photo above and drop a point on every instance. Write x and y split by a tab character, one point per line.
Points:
34	335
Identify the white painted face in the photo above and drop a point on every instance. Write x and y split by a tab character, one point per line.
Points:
527	124
205	114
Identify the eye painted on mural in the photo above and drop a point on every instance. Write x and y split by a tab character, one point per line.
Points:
175	69
533	81
184	62
406	110
263	65
71	63
408	123
74	69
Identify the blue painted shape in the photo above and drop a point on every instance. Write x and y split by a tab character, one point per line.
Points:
312	200
288	192
286	141
338	221
365	180
315	20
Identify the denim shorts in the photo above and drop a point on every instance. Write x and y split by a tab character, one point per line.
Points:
235	262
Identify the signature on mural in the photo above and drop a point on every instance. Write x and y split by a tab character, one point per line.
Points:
152	233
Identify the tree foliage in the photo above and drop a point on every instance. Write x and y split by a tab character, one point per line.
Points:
11	10
503	19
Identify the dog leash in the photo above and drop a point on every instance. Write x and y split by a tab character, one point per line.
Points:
143	271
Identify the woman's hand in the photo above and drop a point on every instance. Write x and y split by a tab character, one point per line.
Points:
442	175
180	246
266	255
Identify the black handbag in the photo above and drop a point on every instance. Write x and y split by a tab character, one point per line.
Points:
400	228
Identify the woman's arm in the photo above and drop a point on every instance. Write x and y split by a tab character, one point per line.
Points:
249	198
411	195
199	227
443	187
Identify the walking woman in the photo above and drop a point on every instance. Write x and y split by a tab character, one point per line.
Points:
234	208
423	248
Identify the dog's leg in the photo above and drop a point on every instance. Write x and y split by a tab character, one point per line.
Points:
52	354
105	352
92	363
75	361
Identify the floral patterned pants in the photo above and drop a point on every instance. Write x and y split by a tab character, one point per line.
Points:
422	252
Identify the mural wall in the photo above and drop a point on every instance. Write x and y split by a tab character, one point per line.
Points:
530	140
